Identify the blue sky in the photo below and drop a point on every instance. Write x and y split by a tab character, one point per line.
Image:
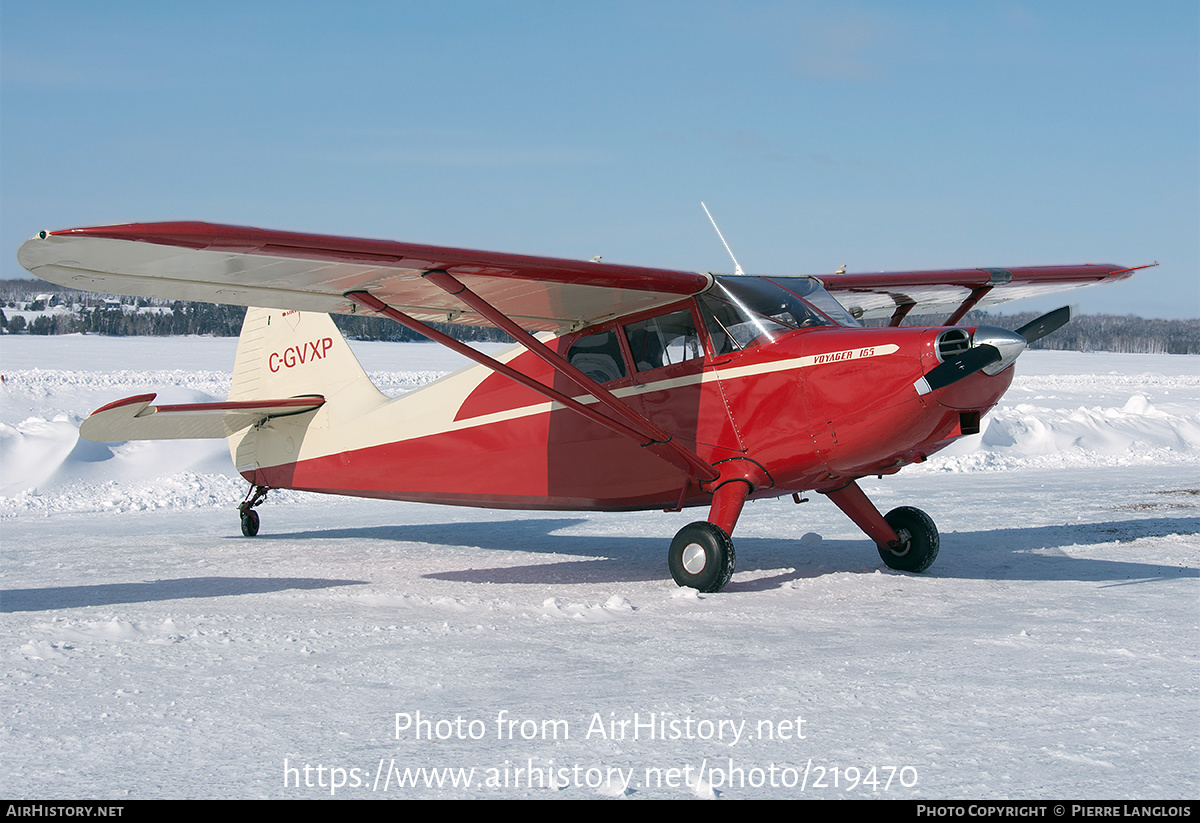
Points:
880	135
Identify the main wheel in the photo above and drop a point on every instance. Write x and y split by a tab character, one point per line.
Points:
919	540
249	522
701	557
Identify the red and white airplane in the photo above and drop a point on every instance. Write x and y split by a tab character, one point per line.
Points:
629	388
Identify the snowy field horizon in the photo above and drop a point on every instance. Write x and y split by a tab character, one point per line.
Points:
1052	651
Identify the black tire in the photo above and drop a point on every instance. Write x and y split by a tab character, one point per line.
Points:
701	557
919	540
250	523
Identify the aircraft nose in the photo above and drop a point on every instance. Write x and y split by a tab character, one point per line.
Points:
1008	343
993	349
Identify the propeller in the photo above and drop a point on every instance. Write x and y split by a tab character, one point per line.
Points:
1044	325
994	349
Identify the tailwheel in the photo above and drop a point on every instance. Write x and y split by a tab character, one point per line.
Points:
919	542
249	516
250	523
701	557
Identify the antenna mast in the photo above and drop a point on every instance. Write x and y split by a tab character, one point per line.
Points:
737	268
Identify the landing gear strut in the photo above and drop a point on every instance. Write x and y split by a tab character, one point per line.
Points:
906	538
250	521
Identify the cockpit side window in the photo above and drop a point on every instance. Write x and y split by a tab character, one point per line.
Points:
598	356
664	340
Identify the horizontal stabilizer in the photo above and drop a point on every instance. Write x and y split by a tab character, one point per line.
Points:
134	418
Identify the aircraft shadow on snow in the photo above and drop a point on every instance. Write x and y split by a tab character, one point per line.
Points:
1017	554
1034	553
107	594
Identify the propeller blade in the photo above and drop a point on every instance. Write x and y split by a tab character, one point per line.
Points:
1044	325
955	369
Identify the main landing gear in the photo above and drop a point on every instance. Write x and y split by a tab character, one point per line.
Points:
250	521
918	546
906	537
702	557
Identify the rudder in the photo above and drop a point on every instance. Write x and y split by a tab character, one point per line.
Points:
287	354
292	353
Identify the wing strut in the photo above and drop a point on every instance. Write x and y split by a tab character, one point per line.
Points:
632	425
448	283
968	304
900	313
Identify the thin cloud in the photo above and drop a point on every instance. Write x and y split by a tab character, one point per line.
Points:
842	47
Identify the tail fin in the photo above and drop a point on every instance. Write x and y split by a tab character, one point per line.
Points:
293	353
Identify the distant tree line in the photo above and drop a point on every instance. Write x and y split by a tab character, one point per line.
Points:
1124	334
90	313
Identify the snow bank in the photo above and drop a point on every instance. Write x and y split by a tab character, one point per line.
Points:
1028	435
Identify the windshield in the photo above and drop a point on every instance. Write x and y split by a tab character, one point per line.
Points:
811	289
741	312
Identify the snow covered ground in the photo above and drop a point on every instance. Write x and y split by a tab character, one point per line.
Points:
365	649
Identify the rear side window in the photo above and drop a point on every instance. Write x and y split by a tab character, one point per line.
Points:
664	340
598	356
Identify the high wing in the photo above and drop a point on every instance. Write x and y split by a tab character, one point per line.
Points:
285	270
273	269
956	291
